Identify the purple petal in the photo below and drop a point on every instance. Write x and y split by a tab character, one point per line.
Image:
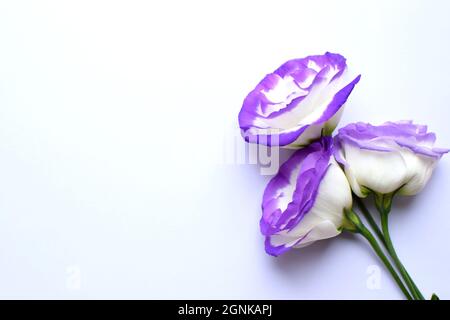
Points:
405	134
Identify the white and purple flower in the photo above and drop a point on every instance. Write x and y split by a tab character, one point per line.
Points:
305	201
393	157
310	198
298	102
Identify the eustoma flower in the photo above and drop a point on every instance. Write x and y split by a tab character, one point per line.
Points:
310	199
393	157
305	201
396	157
298	102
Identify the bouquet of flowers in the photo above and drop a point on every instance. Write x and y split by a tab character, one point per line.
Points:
312	196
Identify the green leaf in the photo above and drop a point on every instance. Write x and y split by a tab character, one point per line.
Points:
435	297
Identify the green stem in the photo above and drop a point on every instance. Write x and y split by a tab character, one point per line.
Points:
390	247
355	225
383	204
369	218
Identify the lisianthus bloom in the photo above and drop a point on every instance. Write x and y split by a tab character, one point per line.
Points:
298	102
305	201
393	157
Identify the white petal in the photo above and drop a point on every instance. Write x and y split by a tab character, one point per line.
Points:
420	169
323	230
382	172
315	131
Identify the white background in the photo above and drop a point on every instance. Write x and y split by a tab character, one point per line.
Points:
114	116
